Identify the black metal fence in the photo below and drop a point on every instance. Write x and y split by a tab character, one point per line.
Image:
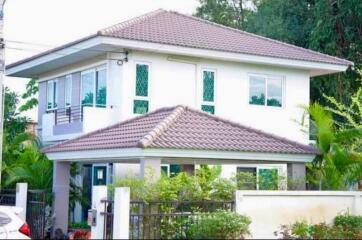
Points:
162	219
108	219
169	219
35	213
7	197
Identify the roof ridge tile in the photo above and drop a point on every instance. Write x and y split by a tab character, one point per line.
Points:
161	127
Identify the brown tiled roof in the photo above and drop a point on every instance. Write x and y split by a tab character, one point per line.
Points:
173	28
168	27
182	128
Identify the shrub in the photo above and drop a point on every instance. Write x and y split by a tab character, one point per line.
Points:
349	221
344	227
205	185
301	229
80	225
350	225
220	224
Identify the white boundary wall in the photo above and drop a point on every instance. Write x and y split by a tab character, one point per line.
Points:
269	210
21	198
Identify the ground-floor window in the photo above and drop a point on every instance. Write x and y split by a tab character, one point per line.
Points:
260	178
171	169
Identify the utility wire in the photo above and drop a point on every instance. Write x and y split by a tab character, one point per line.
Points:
52	46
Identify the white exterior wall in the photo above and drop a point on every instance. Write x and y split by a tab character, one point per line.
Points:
173	82
269	210
178	80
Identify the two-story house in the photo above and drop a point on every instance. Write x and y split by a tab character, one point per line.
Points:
113	94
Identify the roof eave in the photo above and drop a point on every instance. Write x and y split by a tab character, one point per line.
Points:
315	68
21	68
134	154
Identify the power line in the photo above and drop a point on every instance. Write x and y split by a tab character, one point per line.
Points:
52	46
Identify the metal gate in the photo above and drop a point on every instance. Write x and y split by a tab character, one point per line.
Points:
108	219
35	213
7	197
169	219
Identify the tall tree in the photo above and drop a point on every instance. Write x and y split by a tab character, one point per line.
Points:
14	122
232	13
337	31
285	20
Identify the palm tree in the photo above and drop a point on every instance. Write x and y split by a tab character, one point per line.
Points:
24	162
340	164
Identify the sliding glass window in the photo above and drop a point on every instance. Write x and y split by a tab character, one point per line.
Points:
52	94
94	88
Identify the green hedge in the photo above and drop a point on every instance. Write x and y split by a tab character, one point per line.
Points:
219	225
343	227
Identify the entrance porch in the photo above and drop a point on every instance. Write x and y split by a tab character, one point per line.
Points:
151	143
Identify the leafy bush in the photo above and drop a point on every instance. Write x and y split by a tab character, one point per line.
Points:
344	227
349	221
351	225
79	225
206	184
219	225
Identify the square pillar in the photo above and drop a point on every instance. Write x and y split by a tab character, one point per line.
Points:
99	193
61	178
121	206
150	168
296	176
21	198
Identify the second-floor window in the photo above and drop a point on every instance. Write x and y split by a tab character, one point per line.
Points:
52	94
266	90
94	88
140	103
68	90
208	91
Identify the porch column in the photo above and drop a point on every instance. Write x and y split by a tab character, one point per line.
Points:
188	168
297	175
150	168
61	177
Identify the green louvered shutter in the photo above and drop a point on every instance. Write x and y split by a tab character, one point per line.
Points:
140	106
208	92
142	80
208	109
208	81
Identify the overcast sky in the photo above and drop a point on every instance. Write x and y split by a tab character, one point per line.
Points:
32	26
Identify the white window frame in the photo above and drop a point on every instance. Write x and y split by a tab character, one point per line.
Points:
56	98
279	168
208	103
70	78
142	98
93	71
266	78
168	169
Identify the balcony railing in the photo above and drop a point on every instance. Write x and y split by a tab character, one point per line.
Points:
71	114
67	115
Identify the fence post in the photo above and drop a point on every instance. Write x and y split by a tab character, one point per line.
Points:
98	193
121	213
238	202
357	202
21	198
